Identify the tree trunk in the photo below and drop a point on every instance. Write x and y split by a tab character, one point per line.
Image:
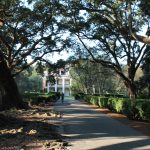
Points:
1	103
132	94
131	91
12	97
2	95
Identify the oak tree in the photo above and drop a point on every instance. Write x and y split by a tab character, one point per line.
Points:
31	31
103	28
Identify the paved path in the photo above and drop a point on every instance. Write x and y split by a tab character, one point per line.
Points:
87	129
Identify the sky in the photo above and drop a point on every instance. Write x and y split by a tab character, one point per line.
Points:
56	56
64	55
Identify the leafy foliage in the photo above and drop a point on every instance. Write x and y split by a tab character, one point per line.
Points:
143	84
122	105
103	30
89	77
37	97
31	31
29	80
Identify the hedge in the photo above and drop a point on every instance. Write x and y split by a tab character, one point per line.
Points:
103	102
79	96
119	105
141	111
36	97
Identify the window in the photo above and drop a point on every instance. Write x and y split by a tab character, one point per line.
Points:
62	72
67	82
60	81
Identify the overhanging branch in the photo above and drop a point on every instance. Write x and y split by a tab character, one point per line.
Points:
137	37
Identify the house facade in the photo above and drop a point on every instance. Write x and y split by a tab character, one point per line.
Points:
62	82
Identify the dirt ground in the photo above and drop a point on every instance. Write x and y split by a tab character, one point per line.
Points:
33	129
37	128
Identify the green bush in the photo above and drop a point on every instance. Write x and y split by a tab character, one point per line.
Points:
36	97
114	95
87	98
142	109
54	95
120	105
103	102
147	111
94	100
79	96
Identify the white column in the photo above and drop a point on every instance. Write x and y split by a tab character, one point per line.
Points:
70	86
43	83
56	86
85	90
93	89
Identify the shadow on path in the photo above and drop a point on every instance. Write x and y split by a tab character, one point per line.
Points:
88	129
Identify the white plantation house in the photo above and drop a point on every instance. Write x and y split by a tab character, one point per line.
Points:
62	82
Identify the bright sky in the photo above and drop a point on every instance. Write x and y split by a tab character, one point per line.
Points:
56	56
65	55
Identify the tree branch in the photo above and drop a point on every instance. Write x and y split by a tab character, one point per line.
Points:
137	37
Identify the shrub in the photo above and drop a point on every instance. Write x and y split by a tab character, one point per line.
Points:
36	98
94	100
120	105
147	112
103	102
54	95
79	96
87	98
142	109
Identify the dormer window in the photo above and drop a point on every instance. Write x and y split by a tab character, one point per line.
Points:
62	72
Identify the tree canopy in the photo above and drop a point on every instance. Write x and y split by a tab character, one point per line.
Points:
89	77
31	31
108	30
105	29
